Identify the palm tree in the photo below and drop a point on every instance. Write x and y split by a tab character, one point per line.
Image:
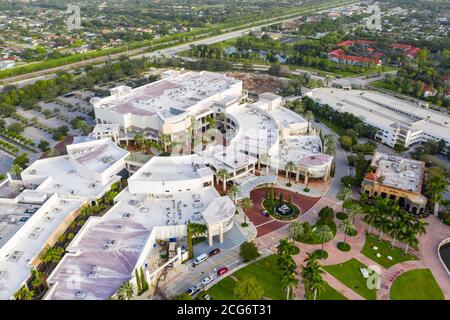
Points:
395	227
290	167
139	141
410	238
164	139
289	282
52	254
347	227
324	234
38	279
246	204
24	294
354	209
233	192
309	116
371	217
296	230
283	247
382	222
344	194
436	188
125	292
312	276
223	175
316	285
16	169
419	227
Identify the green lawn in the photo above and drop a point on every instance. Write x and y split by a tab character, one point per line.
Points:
223	290
416	284
349	274
330	294
384	248
265	271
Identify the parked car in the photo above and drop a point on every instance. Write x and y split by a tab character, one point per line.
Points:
214	252
207	280
192	290
222	271
265	213
200	259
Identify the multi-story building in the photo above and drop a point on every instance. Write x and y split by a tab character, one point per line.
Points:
398	121
397	179
171	106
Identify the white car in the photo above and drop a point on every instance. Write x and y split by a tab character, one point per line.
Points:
207	280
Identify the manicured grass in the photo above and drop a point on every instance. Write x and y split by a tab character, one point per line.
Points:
384	248
349	274
416	284
268	274
223	290
265	271
330	294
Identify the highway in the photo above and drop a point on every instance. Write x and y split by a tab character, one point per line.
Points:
32	77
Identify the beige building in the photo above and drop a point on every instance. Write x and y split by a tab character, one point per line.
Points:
397	179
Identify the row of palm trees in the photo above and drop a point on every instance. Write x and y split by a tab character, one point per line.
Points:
387	216
287	266
312	276
143	144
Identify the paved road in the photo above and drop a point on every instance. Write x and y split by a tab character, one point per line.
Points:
138	53
186	275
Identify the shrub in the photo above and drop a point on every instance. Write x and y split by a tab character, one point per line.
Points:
349	180
248	251
320	254
326	214
445	217
341	215
344	246
306	189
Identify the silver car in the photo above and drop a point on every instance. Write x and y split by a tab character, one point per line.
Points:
207	280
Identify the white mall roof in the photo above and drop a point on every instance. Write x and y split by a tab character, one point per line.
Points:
106	249
23	241
172	169
96	155
167	97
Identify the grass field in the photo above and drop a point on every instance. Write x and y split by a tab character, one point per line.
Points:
348	273
384	248
265	271
416	284
330	294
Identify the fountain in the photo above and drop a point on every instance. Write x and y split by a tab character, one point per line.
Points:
284	210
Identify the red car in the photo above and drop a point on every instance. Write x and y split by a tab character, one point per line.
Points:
222	271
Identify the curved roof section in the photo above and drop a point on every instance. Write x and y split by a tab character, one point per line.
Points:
315	160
